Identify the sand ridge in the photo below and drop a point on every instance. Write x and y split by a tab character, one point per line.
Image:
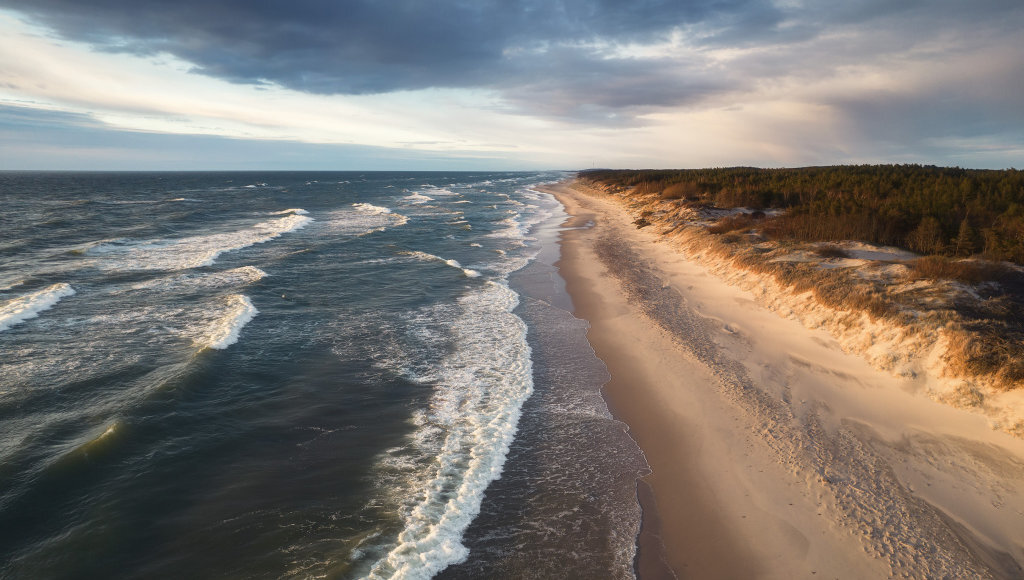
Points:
775	454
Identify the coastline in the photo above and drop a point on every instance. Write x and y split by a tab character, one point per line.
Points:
775	454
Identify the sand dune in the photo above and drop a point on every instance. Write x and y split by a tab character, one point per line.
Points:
776	454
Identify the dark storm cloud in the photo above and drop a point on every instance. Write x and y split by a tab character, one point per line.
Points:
557	58
366	46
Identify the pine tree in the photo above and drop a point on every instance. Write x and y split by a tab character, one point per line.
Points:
965	239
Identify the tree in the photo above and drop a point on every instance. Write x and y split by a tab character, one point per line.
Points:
927	237
965	239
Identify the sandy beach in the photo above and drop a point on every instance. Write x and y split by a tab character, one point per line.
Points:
774	453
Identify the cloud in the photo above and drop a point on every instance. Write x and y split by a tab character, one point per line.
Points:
359	46
920	75
33	138
548	57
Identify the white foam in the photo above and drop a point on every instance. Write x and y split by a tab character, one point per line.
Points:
225	279
467	431
295	211
30	305
366	219
418	198
453	263
190	252
371	209
469	273
225	331
435	191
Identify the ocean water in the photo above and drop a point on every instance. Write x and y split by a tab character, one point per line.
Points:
300	375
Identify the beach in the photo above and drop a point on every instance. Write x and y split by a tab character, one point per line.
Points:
775	454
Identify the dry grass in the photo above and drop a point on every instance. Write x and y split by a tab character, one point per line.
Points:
969	271
732	223
983	350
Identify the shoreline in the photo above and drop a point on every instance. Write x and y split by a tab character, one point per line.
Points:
590	299
774	454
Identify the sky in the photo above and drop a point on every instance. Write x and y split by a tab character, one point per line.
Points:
509	84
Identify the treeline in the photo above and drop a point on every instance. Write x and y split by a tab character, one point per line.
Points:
930	210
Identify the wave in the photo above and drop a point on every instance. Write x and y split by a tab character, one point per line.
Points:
30	305
439	191
295	211
371	209
418	198
225	330
11	284
366	219
225	279
190	252
467	431
453	263
469	273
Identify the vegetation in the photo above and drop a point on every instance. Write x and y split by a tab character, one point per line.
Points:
931	210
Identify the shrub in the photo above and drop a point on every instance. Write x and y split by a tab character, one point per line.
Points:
829	251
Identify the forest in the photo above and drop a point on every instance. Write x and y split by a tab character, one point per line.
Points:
930	210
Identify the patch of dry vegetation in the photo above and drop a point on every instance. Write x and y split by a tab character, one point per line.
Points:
968	271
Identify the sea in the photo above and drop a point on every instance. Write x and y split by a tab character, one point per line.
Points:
300	375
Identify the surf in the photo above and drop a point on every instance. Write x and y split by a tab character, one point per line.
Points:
468	428
30	305
189	252
225	331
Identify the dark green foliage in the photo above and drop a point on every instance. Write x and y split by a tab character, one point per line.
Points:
931	210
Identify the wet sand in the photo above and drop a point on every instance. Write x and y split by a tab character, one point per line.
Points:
775	454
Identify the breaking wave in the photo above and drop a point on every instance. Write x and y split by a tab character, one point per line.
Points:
453	263
190	252
224	332
467	430
30	305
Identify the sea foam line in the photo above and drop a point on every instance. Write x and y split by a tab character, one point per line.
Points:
30	305
468	429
